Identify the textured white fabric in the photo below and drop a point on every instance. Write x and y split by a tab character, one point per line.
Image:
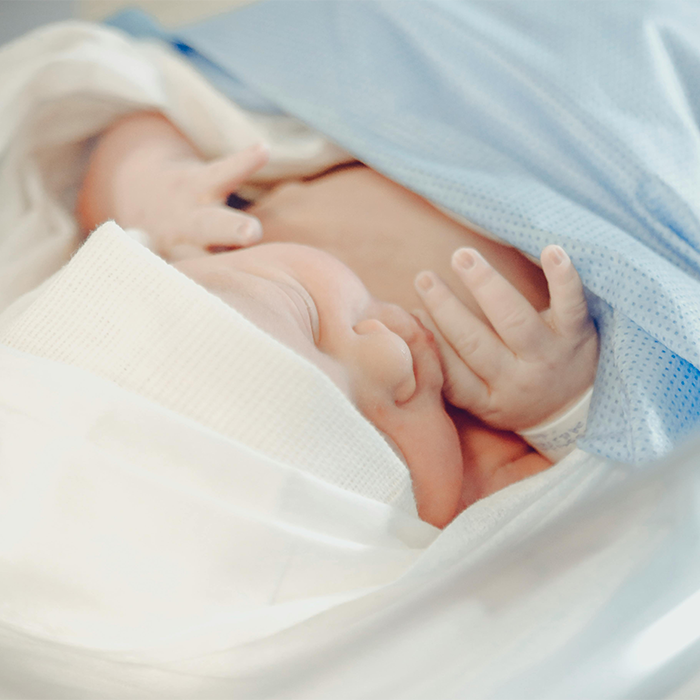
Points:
126	526
119	311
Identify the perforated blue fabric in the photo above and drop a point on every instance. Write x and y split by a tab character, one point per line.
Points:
543	122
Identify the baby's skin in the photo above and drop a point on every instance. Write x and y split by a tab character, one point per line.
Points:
379	355
526	366
502	360
145	174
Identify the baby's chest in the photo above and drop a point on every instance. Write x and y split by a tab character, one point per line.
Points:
384	233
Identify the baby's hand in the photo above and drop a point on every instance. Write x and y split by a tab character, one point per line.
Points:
181	207
146	175
527	366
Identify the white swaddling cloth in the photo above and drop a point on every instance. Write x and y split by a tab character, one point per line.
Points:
122	313
289	504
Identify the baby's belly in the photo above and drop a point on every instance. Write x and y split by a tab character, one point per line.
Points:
385	233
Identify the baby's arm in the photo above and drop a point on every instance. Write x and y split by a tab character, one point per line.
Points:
145	174
525	368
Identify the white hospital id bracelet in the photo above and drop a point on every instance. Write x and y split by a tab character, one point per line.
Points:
556	438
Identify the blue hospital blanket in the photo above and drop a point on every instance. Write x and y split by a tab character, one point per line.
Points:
542	122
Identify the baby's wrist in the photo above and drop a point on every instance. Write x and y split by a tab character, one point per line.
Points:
556	437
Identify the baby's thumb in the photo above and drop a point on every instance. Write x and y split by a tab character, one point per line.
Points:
568	307
227	174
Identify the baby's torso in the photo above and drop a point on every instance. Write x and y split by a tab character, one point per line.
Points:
385	233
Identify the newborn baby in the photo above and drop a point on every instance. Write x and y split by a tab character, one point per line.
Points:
498	356
388	364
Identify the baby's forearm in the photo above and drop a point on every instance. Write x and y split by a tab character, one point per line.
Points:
129	152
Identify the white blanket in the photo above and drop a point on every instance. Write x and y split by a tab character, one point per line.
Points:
151	545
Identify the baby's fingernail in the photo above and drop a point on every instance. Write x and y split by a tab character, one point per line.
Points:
558	255
424	282
465	258
250	230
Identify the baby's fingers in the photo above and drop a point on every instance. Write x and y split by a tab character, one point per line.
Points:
473	341
227	174
218	227
461	386
568	307
513	317
183	251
